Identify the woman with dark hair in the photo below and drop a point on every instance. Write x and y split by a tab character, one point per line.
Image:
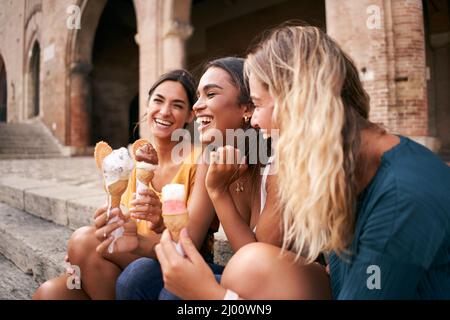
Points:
232	185
169	108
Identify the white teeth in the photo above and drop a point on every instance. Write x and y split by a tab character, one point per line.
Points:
163	122
204	120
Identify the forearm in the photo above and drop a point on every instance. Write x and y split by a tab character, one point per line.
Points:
236	229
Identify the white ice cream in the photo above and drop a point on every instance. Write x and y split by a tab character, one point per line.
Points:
173	191
117	166
145	165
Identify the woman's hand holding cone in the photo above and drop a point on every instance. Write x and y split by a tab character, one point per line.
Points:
148	207
129	240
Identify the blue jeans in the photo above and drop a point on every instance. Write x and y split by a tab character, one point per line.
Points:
142	280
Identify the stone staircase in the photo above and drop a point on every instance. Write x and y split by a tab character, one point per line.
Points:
37	218
40	206
27	141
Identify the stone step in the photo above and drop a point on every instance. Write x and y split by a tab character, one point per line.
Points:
28	149
22	140
34	245
29	156
64	204
14	284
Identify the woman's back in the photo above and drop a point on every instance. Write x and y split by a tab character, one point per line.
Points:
402	231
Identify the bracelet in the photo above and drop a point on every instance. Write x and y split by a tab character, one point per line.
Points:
231	295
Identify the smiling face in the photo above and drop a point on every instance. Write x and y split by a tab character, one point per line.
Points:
217	106
264	105
168	109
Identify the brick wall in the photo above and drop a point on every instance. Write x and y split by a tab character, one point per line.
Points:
386	41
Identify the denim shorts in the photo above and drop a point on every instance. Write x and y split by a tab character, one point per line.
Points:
142	280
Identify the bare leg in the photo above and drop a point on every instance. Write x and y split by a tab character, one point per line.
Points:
98	274
56	289
258	271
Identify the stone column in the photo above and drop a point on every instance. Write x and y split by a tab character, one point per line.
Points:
80	104
175	36
366	36
386	40
150	59
410	113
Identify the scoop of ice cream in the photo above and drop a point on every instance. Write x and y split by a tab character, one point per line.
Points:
173	191
117	166
173	199
147	154
173	207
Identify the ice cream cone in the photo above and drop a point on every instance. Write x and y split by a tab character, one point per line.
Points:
146	159
175	223
116	166
116	190
144	175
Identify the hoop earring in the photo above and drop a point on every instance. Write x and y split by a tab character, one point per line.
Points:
246	119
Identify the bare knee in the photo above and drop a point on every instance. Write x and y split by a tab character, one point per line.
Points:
81	243
246	268
259	271
49	290
57	289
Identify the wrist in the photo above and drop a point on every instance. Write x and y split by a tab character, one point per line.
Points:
216	293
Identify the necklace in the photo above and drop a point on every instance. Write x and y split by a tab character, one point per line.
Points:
239	186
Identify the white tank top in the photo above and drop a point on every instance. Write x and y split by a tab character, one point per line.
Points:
263	187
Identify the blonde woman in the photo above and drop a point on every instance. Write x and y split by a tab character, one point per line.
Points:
377	203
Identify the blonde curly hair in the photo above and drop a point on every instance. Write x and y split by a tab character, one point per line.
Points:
320	109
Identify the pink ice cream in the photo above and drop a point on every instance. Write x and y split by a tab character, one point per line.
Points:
173	207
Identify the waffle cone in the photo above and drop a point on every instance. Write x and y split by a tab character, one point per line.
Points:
116	190
175	223
102	150
144	175
136	145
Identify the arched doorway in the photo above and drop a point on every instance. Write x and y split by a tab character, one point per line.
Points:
133	119
437	35
215	35
115	73
3	92
34	81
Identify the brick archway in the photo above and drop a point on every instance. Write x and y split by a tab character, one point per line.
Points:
437	39
32	63
79	66
33	81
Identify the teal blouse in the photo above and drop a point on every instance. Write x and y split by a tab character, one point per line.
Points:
401	245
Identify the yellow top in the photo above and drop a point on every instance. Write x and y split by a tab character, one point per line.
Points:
185	175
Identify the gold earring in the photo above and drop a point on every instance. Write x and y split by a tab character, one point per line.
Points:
246	119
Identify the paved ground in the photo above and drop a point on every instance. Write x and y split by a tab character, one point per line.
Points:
77	171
